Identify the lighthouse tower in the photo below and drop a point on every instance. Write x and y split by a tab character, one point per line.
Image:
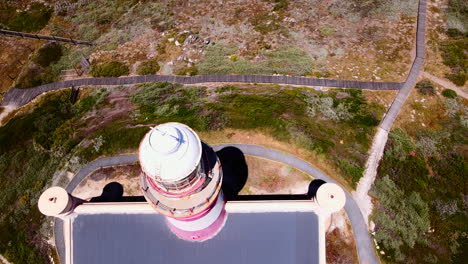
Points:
181	178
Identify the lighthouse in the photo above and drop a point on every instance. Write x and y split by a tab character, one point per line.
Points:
181	178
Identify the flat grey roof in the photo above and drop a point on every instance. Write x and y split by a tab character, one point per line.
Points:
276	237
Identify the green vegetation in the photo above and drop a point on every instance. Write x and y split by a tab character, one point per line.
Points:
53	133
425	87
390	9
35	74
30	20
164	102
350	171
266	22
327	30
48	54
109	69
457	15
26	165
32	147
421	188
449	93
291	61
454	55
227	88
187	71
285	114
148	67
402	219
280	5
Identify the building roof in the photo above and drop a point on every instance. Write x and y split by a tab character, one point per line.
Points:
268	235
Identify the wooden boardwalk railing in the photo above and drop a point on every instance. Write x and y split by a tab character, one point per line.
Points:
416	68
20	97
9	33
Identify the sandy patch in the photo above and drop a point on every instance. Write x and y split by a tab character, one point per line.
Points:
93	184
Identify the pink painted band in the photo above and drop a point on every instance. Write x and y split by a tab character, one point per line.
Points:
203	234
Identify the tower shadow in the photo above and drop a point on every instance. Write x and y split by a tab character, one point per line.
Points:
313	187
235	171
113	192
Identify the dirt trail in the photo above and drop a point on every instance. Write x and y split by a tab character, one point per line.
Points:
460	91
361	194
3	260
4	113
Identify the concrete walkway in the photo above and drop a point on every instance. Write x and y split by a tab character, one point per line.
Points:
363	242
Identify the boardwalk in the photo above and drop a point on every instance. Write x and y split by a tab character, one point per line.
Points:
9	33
20	97
380	138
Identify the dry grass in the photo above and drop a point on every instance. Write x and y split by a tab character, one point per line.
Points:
271	177
420	111
381	97
14	55
260	137
435	34
338	250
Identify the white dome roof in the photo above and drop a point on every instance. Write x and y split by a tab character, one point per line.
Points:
170	151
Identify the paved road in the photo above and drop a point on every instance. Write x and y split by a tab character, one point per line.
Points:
363	242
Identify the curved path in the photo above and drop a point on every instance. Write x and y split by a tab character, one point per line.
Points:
20	97
380	138
364	244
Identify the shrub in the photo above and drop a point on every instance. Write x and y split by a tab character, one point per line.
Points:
280	5
401	219
187	71
31	20
399	144
327	30
48	54
353	172
457	15
427	146
425	87
148	67
109	69
89	103
227	88
286	60
458	78
454	33
454	55
449	93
